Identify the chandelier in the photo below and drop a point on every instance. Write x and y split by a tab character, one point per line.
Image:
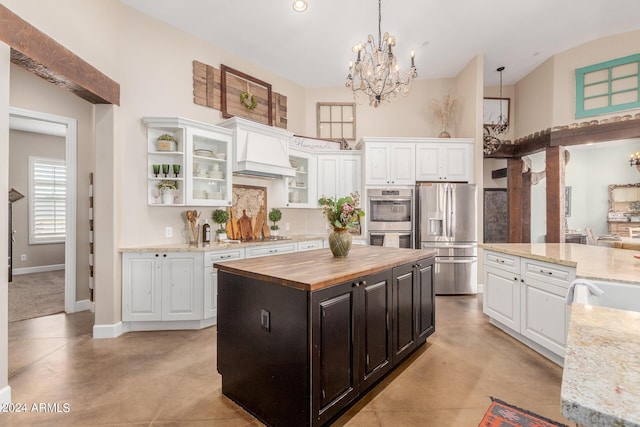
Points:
375	73
634	160
494	134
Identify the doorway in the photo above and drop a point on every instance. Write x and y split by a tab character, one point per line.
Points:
49	124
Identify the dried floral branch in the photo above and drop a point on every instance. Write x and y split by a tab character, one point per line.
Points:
444	111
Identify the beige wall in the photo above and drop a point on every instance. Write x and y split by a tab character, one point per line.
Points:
22	145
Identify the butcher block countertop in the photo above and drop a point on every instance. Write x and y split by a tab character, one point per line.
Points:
318	269
591	262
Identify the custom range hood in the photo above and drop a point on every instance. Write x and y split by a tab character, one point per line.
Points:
259	151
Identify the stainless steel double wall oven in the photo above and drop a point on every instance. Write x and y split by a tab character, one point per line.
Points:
390	217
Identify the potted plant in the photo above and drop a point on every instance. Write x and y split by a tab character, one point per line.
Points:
166	142
275	215
167	187
220	217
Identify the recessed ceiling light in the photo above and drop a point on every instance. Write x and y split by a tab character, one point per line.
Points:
300	5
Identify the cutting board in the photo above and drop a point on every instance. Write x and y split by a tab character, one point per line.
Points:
233	229
246	231
259	225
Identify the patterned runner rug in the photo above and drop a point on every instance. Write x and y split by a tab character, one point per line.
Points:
502	414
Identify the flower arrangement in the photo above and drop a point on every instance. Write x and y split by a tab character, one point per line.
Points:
343	212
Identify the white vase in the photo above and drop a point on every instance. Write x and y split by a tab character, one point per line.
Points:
167	198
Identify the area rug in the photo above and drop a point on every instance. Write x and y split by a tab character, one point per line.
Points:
36	295
502	414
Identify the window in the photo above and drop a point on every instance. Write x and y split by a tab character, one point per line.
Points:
608	87
47	200
336	120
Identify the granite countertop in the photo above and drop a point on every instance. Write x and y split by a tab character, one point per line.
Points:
591	262
219	246
601	376
317	269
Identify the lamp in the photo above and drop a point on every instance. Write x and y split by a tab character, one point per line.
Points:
375	73
634	160
494	134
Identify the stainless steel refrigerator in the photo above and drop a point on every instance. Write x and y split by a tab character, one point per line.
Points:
446	215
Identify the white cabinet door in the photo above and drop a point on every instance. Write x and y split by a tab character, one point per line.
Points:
328	179
545	315
377	163
141	286
182	286
350	167
428	163
502	297
456	162
402	164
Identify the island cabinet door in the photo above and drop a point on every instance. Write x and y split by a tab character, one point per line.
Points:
375	330
404	325
426	297
334	344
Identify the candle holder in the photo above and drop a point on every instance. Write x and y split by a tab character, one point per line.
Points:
176	170
165	170
156	170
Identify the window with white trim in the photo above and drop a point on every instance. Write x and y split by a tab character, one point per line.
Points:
47	200
608	87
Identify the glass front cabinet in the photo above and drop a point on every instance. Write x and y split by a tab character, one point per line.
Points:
301	189
189	163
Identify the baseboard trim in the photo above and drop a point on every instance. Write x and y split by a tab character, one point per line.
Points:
38	269
108	331
5	395
83	305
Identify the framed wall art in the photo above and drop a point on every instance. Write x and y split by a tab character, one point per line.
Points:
245	96
491	110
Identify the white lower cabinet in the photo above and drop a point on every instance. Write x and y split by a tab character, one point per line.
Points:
525	297
211	279
161	286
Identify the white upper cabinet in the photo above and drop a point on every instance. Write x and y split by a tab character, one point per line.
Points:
301	189
339	174
444	161
388	161
197	162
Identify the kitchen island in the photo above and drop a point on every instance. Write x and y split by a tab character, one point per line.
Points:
302	336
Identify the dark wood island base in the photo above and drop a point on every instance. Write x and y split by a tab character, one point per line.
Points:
302	336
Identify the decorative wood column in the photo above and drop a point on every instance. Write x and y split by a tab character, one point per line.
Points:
514	191
526	207
555	162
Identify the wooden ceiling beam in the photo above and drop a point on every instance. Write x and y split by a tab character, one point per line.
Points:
39	54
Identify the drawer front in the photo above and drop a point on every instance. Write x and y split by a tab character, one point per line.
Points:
502	261
311	244
271	250
556	274
219	256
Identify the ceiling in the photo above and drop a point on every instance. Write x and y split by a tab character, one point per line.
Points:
313	48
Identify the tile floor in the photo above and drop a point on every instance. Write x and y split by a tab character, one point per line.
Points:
169	378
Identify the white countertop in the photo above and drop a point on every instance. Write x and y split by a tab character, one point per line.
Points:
601	375
591	262
218	246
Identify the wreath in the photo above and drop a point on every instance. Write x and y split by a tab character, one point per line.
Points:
244	100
